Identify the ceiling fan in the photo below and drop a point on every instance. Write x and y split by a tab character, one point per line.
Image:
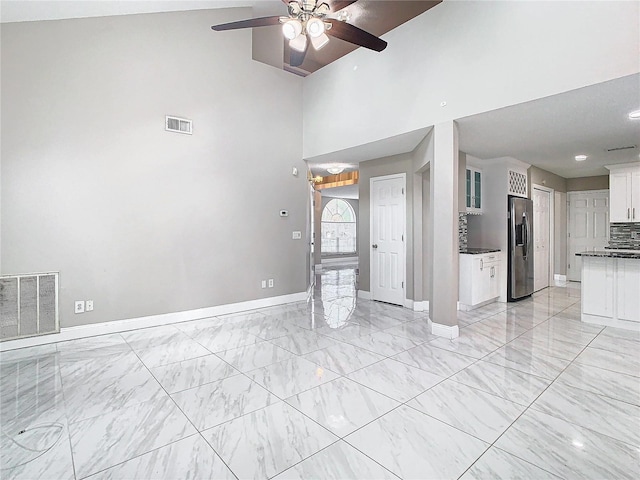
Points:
308	23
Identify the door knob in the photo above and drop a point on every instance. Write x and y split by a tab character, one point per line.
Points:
375	245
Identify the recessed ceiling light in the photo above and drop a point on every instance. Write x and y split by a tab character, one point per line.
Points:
581	158
634	115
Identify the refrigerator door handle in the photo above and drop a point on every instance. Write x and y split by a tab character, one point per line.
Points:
525	226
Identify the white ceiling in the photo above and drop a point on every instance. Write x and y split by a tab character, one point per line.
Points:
351	157
550	132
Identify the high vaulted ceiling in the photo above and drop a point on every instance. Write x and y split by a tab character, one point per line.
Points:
375	16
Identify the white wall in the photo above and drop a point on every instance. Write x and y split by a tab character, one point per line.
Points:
140	220
475	55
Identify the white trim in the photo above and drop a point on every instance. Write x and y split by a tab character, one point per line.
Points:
408	303
552	226
610	322
421	306
364	295
467	308
83	331
403	176
446	331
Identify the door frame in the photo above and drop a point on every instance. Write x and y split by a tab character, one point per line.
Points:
403	176
552	229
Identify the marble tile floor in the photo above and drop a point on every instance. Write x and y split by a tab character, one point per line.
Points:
333	388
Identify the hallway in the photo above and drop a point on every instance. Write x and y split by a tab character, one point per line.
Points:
336	387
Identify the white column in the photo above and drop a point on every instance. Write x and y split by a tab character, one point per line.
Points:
444	231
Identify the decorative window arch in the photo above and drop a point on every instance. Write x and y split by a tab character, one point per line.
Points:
338	227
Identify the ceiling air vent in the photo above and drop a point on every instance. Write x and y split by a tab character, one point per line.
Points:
178	125
616	149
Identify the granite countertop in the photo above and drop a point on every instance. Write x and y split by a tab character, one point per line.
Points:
477	251
609	253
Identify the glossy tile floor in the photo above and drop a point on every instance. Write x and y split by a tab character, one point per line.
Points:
335	388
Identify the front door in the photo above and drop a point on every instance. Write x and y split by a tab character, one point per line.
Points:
541	240
588	227
388	219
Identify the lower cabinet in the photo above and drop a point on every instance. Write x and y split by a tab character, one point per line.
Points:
611	292
479	279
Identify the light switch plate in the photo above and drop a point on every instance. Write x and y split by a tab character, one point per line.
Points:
297	235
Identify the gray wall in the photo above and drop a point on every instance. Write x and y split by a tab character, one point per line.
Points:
355	204
137	219
581	184
547	179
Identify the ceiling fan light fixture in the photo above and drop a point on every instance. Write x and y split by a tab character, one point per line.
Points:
323	9
315	27
319	42
291	29
299	43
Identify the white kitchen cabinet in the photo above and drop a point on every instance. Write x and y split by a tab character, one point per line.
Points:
474	190
610	294
597	286
624	190
628	286
479	279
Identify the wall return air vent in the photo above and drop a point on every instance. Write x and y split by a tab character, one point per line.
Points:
178	125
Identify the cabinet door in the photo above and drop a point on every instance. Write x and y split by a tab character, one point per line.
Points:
620	201
468	185
597	285
494	282
627	297
477	190
635	196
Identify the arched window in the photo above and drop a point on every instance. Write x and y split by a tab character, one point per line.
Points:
338	227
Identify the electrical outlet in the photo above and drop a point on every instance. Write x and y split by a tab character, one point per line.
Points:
264	284
271	283
79	306
296	235
89	306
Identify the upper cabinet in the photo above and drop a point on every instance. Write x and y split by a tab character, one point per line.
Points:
624	192
474	190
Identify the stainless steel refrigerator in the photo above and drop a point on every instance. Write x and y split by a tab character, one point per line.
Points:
520	255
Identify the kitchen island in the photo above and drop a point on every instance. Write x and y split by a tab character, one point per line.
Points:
611	288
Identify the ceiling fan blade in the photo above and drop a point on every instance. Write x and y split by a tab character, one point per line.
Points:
296	57
340	4
252	22
352	34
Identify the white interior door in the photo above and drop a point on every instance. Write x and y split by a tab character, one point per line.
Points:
541	238
588	227
388	221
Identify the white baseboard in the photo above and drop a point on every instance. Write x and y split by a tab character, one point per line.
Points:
363	294
467	308
610	322
408	303
421	306
83	331
446	331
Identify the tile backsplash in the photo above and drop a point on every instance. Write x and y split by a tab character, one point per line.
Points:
462	231
624	235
